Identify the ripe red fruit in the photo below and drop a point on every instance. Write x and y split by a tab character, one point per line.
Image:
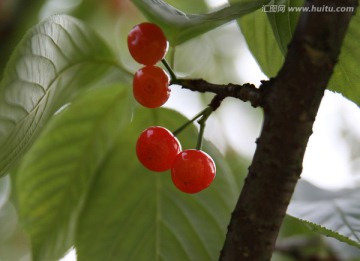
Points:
193	171
147	43
151	86
157	148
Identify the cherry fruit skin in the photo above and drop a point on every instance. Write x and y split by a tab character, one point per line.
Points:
193	171
157	148
147	43
151	86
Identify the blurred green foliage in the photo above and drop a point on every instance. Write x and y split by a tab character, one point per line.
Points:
80	181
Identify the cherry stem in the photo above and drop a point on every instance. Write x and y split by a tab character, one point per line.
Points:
172	57
202	123
169	69
204	114
181	128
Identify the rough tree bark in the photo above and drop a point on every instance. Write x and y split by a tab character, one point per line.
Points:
290	104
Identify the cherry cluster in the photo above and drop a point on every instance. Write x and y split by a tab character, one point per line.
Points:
157	148
148	45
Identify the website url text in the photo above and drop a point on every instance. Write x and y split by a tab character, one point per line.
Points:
306	9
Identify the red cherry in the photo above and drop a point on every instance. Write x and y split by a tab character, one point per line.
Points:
193	171
157	148
151	86
147	43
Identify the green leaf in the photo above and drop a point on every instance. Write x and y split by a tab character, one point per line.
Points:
54	177
283	23
346	77
190	6
332	213
4	190
268	44
180	27
135	214
261	42
53	61
238	164
8	222
318	228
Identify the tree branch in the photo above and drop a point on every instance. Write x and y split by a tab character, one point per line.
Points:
245	92
290	107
